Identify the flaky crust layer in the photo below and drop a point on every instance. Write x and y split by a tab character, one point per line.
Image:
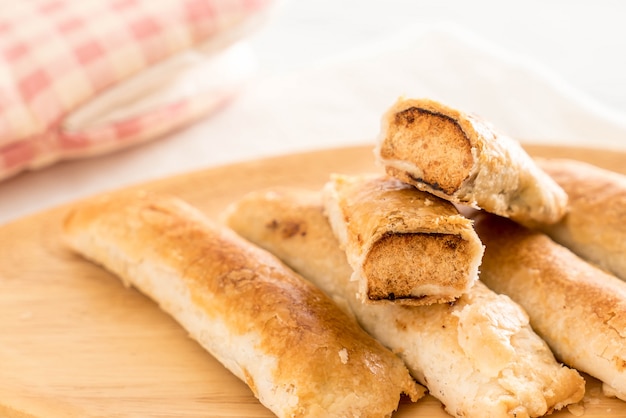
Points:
459	157
595	224
405	246
296	350
578	309
478	355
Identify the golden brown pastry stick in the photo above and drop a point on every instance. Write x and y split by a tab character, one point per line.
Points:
296	350
478	355
578	309
404	245
461	158
595	225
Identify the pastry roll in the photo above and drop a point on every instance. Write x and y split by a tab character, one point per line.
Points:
296	350
403	244
595	225
578	309
461	158
477	355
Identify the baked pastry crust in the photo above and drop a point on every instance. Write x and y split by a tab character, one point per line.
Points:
405	246
578	309
595	224
478	355
461	158
296	350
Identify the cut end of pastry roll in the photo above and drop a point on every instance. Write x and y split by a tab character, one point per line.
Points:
461	158
425	136
296	350
405	245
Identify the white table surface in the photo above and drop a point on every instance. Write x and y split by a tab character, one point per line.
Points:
546	71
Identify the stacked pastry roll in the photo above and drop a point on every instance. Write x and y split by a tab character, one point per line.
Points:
405	246
464	159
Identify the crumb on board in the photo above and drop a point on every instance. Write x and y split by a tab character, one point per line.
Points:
577	409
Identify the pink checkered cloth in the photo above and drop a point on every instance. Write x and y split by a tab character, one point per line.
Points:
58	55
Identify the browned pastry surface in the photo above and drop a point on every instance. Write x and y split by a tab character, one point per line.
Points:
577	308
296	350
595	225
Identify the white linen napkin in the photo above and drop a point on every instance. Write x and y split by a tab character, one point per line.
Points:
340	102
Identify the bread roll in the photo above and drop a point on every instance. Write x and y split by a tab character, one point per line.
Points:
298	352
461	158
595	225
404	245
578	309
478	355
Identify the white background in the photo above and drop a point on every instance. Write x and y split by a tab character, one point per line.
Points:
583	41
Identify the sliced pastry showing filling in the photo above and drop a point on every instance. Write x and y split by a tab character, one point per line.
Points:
478	355
595	224
299	353
405	245
462	158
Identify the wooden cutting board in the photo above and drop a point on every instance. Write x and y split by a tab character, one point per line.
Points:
75	343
